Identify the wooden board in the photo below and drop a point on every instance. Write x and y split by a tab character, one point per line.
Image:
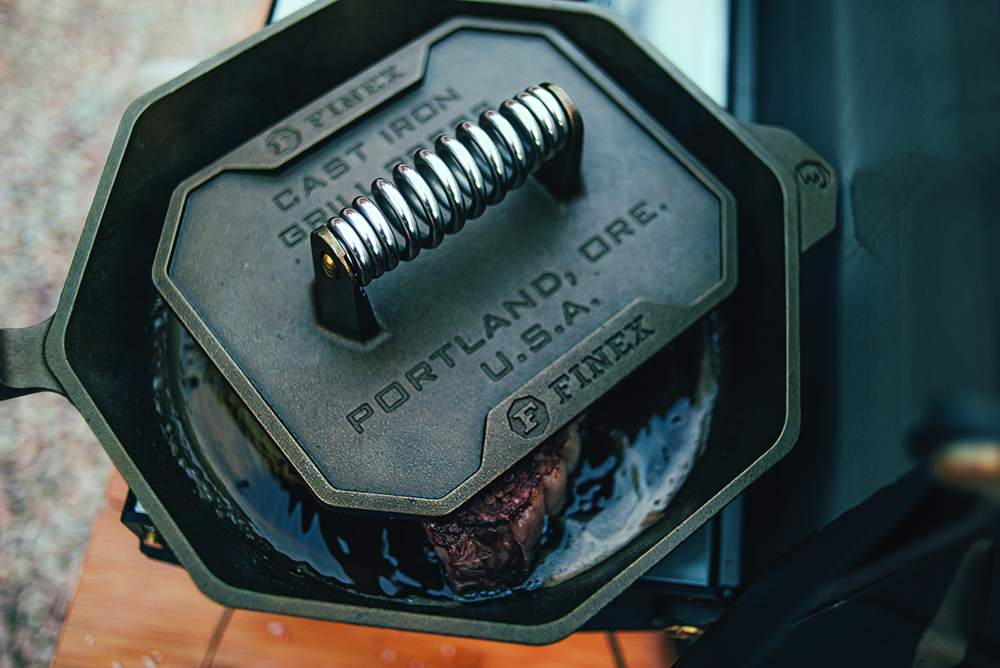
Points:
130	611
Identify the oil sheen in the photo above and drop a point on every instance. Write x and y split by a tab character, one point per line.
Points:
639	443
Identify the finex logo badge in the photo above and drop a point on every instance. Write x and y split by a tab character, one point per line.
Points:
528	416
283	139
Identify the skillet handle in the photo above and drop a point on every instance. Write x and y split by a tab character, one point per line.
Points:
23	369
815	181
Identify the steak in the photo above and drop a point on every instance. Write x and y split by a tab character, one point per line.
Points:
487	543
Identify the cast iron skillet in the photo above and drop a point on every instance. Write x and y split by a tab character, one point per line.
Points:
97	348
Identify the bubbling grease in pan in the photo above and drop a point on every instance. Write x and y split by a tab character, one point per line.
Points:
639	445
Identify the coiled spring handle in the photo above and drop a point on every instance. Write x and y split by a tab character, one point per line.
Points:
537	131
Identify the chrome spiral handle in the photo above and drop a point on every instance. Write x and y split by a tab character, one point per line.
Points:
452	184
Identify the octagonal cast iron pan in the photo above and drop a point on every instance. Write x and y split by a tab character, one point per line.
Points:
98	347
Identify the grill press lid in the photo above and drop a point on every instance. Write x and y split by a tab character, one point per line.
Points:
486	345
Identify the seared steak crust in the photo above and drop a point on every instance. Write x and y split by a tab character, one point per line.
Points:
486	544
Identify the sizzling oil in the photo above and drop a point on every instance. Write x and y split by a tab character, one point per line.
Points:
242	473
645	471
639	444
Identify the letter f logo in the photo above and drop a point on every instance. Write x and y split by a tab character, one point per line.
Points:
527	416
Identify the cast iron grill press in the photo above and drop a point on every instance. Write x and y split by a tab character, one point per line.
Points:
408	392
518	323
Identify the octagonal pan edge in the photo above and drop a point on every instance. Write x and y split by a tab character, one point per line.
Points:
97	345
